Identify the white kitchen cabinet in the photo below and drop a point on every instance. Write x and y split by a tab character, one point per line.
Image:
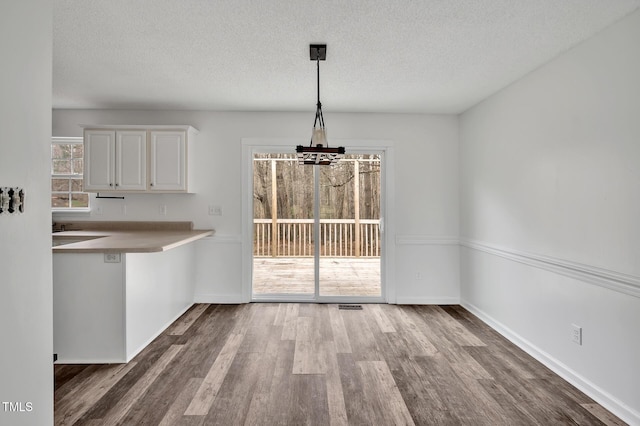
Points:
131	160
167	161
99	159
115	160
149	159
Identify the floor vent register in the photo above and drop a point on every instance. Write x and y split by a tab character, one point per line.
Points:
350	307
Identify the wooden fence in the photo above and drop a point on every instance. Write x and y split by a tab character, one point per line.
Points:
338	238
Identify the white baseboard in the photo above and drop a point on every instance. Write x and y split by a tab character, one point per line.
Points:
218	298
90	361
401	300
603	398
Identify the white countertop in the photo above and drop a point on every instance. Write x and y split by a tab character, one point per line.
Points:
124	241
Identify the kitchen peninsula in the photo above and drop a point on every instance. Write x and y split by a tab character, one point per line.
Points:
118	285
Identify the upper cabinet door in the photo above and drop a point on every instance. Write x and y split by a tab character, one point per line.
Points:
131	160
168	168
139	159
99	165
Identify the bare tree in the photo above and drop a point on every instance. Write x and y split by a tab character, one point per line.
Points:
295	188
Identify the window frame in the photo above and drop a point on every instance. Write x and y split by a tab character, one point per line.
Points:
68	141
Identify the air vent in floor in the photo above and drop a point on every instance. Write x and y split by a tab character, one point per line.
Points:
350	307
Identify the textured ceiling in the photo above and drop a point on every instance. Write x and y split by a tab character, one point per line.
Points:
436	56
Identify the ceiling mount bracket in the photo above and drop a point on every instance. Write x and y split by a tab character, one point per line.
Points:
318	52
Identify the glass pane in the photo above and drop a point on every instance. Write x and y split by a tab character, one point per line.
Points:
59	200
77	150
57	151
295	189
283	252
370	187
76	185
369	182
262	187
67	159
60	185
61	166
350	241
77	165
79	200
61	151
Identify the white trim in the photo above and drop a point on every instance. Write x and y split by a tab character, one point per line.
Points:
67	139
603	398
301	298
262	145
90	360
185	127
72	210
401	300
623	283
218	299
427	240
280	298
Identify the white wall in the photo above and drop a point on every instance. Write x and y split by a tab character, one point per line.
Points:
549	204
426	189
550	209
159	289
26	363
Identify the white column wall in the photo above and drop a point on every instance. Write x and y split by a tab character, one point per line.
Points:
159	289
550	208
26	354
89	302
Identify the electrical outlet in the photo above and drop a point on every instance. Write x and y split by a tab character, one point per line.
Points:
163	210
112	258
124	209
576	334
215	210
418	275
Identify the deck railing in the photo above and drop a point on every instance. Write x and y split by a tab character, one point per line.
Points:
338	238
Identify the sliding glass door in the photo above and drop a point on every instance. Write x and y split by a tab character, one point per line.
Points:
316	229
349	218
283	231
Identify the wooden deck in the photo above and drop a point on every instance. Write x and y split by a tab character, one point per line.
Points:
339	276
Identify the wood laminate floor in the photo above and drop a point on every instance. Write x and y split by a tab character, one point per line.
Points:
311	364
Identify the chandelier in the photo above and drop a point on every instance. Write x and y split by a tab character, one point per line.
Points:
318	152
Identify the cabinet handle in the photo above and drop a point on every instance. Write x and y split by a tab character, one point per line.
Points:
110	184
151	184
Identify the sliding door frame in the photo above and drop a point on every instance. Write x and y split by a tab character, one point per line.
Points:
251	146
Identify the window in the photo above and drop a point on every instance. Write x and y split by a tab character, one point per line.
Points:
66	174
